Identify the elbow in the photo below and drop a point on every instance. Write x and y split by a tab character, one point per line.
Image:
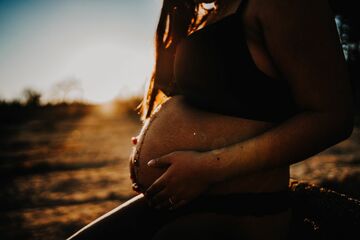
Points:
346	126
348	130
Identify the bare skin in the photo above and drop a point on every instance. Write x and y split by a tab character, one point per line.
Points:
179	126
269	180
282	37
322	90
295	39
321	87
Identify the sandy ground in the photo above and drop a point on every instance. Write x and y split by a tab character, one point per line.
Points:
60	173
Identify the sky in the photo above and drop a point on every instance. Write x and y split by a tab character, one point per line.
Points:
105	46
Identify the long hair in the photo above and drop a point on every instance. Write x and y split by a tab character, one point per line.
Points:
178	18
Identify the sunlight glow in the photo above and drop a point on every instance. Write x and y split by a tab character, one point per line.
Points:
106	46
109	70
107	109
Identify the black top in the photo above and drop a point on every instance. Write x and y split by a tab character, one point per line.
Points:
214	70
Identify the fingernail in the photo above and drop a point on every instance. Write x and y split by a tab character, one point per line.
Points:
151	163
135	187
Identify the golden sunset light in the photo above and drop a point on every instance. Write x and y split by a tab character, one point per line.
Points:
179	119
106	46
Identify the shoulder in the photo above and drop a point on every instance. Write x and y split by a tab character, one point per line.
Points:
286	14
271	12
303	42
295	23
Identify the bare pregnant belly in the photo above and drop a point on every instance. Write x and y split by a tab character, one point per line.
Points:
178	126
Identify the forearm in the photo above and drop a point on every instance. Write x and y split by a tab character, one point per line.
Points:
294	140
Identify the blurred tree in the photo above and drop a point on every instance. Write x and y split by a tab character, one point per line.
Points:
31	97
66	90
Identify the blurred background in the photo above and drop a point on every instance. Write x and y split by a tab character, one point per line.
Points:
71	74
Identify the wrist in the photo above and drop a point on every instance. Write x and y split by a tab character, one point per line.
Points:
215	166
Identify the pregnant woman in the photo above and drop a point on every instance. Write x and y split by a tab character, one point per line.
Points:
241	90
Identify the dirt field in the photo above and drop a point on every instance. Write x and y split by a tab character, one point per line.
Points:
61	169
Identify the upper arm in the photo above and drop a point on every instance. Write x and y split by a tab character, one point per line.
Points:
302	40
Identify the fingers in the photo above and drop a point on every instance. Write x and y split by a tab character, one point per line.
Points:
162	200
160	195
166	200
159	162
136	187
134	140
156	187
178	204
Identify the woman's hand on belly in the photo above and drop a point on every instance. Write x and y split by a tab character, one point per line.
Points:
184	179
181	137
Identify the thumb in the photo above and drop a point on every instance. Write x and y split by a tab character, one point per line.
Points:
159	162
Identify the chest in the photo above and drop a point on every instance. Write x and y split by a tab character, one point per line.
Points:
227	62
222	56
226	45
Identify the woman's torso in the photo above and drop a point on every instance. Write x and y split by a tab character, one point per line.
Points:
223	69
176	126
